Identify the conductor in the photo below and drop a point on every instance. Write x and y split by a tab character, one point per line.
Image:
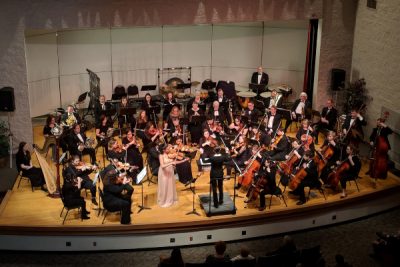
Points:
217	175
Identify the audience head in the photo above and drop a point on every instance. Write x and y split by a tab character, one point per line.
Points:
244	252
220	247
176	256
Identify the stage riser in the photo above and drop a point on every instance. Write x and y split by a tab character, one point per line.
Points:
292	223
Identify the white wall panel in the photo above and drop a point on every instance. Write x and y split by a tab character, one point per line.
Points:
44	96
285	48
236	46
84	49
292	78
186	46
41	57
136	48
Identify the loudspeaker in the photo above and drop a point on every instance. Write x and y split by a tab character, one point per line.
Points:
7	101
338	78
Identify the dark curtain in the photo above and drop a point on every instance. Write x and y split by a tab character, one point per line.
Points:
308	85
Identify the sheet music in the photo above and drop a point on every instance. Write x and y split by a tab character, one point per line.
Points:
141	175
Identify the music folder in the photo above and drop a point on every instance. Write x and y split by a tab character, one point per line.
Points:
109	112
148	87
183	85
141	175
127	111
257	88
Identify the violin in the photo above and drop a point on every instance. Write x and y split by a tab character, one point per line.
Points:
82	166
274	144
213	142
174	153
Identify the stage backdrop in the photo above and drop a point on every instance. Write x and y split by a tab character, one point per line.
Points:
57	61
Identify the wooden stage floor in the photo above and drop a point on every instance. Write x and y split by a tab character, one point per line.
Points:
24	208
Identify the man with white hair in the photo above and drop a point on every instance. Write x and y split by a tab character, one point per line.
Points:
260	77
300	110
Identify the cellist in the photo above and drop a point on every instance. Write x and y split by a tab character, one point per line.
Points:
380	147
310	180
252	165
331	143
280	146
352	172
268	172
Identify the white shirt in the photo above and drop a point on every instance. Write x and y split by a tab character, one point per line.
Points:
259	78
80	137
300	108
271	121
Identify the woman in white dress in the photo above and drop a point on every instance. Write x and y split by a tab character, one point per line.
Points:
166	195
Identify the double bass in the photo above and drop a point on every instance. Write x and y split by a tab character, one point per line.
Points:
378	165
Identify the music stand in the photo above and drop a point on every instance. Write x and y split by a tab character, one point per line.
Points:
146	88
193	189
154	110
126	112
139	179
257	88
208	85
183	86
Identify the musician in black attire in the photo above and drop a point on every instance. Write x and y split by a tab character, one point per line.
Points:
259	77
352	128
259	137
311	179
77	138
252	113
217	174
100	108
169	102
70	117
328	119
273	121
355	167
223	101
148	105
153	159
102	130
117	196
280	146
274	100
197	99
241	153
301	109
329	141
306	134
133	155
195	125
24	164
71	193
219	114
116	151
47	133
78	169
268	172
126	118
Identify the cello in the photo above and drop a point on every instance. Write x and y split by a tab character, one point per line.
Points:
337	173
255	189
248	174
297	178
321	158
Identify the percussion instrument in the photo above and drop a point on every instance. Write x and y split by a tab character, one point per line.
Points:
246	96
203	94
241	88
265	94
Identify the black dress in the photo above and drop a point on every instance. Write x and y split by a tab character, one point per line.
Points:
117	197
134	157
195	127
34	174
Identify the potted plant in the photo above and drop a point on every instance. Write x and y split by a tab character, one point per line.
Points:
355	95
4	143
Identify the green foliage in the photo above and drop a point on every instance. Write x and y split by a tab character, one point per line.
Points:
355	95
4	142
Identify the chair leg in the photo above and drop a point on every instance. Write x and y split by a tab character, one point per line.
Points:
355	180
323	192
308	195
105	215
19	182
270	202
65	217
62	211
283	198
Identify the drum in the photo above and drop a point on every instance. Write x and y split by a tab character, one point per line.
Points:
203	94
244	98
241	88
265	94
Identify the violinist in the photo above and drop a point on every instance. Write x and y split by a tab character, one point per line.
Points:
148	105
126	118
116	151
301	109
169	102
118	195
354	168
140	125
352	128
258	136
268	172
77	139
210	126
102	131
207	145
80	169
195	125
280	146
183	169
151	135
133	155
240	154
71	191
380	146
175	114
176	131
272	121
330	162
306	135
252	113
153	158
310	180
237	126
328	119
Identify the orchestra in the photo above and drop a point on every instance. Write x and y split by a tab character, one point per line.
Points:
258	147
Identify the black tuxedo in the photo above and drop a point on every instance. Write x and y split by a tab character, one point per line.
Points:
216	177
307	112
73	144
98	110
223	116
331	116
252	115
282	149
356	127
115	200
275	124
264	78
